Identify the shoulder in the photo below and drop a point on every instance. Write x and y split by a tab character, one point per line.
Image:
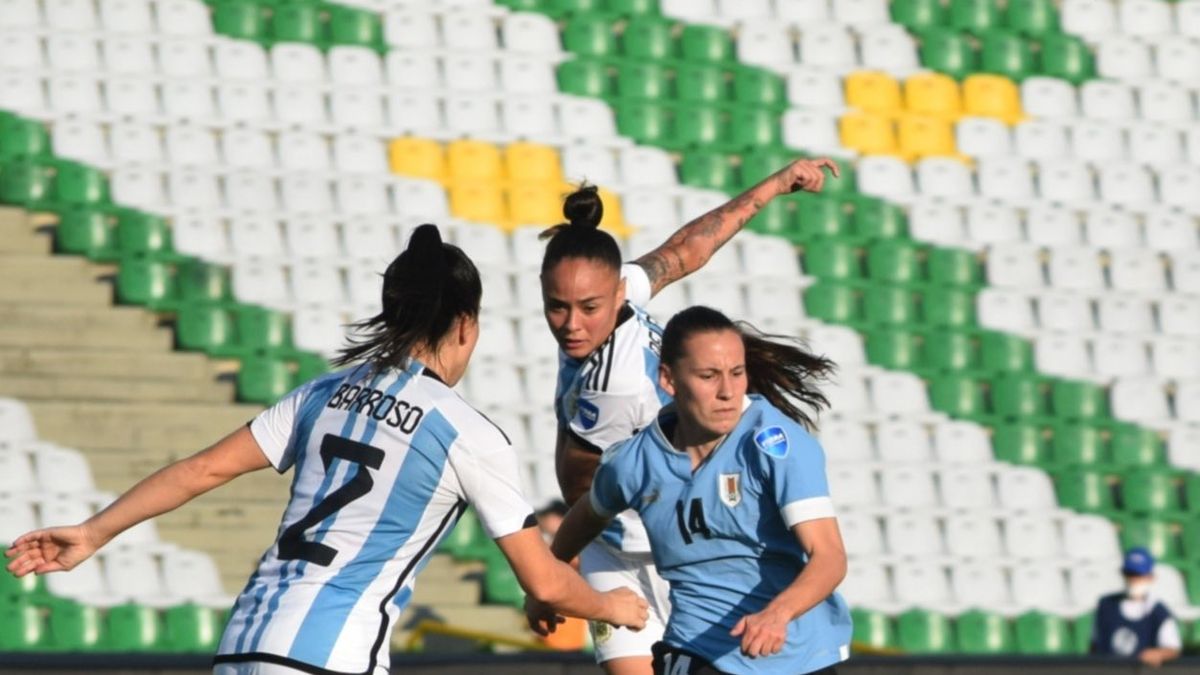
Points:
461	423
771	434
627	452
625	361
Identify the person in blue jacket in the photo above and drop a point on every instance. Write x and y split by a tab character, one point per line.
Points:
733	492
1134	623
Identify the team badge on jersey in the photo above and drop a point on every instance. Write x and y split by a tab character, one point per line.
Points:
601	631
729	486
589	414
773	441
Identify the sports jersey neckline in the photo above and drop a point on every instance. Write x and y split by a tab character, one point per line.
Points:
675	454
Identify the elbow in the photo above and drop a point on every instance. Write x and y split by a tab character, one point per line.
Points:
547	590
836	565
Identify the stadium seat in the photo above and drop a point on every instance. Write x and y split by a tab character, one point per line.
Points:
980	632
972	535
923	632
1042	633
948	52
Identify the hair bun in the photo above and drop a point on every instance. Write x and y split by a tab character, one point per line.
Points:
425	238
583	207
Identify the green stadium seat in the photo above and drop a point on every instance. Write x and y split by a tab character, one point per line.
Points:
873	629
954	267
74	627
699	127
975	16
1020	443
758	87
948	51
949	351
1081	633
590	36
708	170
949	308
133	628
821	216
759	163
923	632
1015	395
752	127
191	628
1191	497
776	219
88	231
645	123
561	8
239	19
1035	18
22	627
201	282
1133	445
1079	400
894	261
894	348
1007	54
832	302
875	218
15	588
467	539
78	185
918	15
643	81
309	366
1156	534
262	331
1193	577
843	186
1150	491
959	396
648	38
1077	445
980	632
295	22
141	233
1003	352
701	82
500	585
1083	489
142	281
525	5
831	259
1043	634
202	327
1067	57
26	183
585	77
632	8
263	380
23	139
355	27
708	44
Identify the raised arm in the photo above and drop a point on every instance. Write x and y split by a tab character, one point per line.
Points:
693	244
62	548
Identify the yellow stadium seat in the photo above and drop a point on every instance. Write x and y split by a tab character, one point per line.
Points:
614	218
418	158
933	94
873	92
869	134
473	160
480	202
532	163
536	204
924	136
992	96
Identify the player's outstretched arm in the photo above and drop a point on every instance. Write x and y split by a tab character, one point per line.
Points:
765	632
558	588
693	244
62	548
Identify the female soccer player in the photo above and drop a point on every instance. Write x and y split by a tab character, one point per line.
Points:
733	494
608	370
386	458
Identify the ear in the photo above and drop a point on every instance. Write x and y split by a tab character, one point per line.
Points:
620	291
463	328
666	380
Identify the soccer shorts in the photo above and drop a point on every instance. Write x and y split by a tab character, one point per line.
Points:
673	661
263	668
606	568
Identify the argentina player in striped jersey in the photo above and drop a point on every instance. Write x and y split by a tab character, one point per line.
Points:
607	385
385	458
732	490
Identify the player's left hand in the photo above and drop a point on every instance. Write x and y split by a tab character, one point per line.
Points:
804	175
542	619
763	634
56	549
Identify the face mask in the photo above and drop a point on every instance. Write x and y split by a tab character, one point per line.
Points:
1138	589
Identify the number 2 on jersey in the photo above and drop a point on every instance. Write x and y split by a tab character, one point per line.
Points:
292	545
695	521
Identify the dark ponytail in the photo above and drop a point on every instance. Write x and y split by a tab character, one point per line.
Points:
580	236
427	287
777	367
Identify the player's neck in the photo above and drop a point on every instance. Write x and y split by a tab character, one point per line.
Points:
699	445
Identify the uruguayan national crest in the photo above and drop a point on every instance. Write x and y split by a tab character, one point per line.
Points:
730	488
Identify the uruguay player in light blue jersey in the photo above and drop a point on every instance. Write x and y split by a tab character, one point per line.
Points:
733	494
608	371
385	458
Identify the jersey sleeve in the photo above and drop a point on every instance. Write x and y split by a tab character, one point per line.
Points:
798	478
604	418
274	428
492	485
637	284
613	483
1168	634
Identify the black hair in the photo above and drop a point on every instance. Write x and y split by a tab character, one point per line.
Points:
580	236
777	367
427	287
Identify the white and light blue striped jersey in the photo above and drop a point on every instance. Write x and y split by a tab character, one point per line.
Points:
608	396
384	464
721	536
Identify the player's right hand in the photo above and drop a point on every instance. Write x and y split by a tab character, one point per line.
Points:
542	618
56	549
628	609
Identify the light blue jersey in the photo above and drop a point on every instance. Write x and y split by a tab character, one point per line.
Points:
385	463
722	536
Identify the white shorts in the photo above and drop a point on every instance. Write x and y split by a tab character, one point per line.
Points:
606	568
263	668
